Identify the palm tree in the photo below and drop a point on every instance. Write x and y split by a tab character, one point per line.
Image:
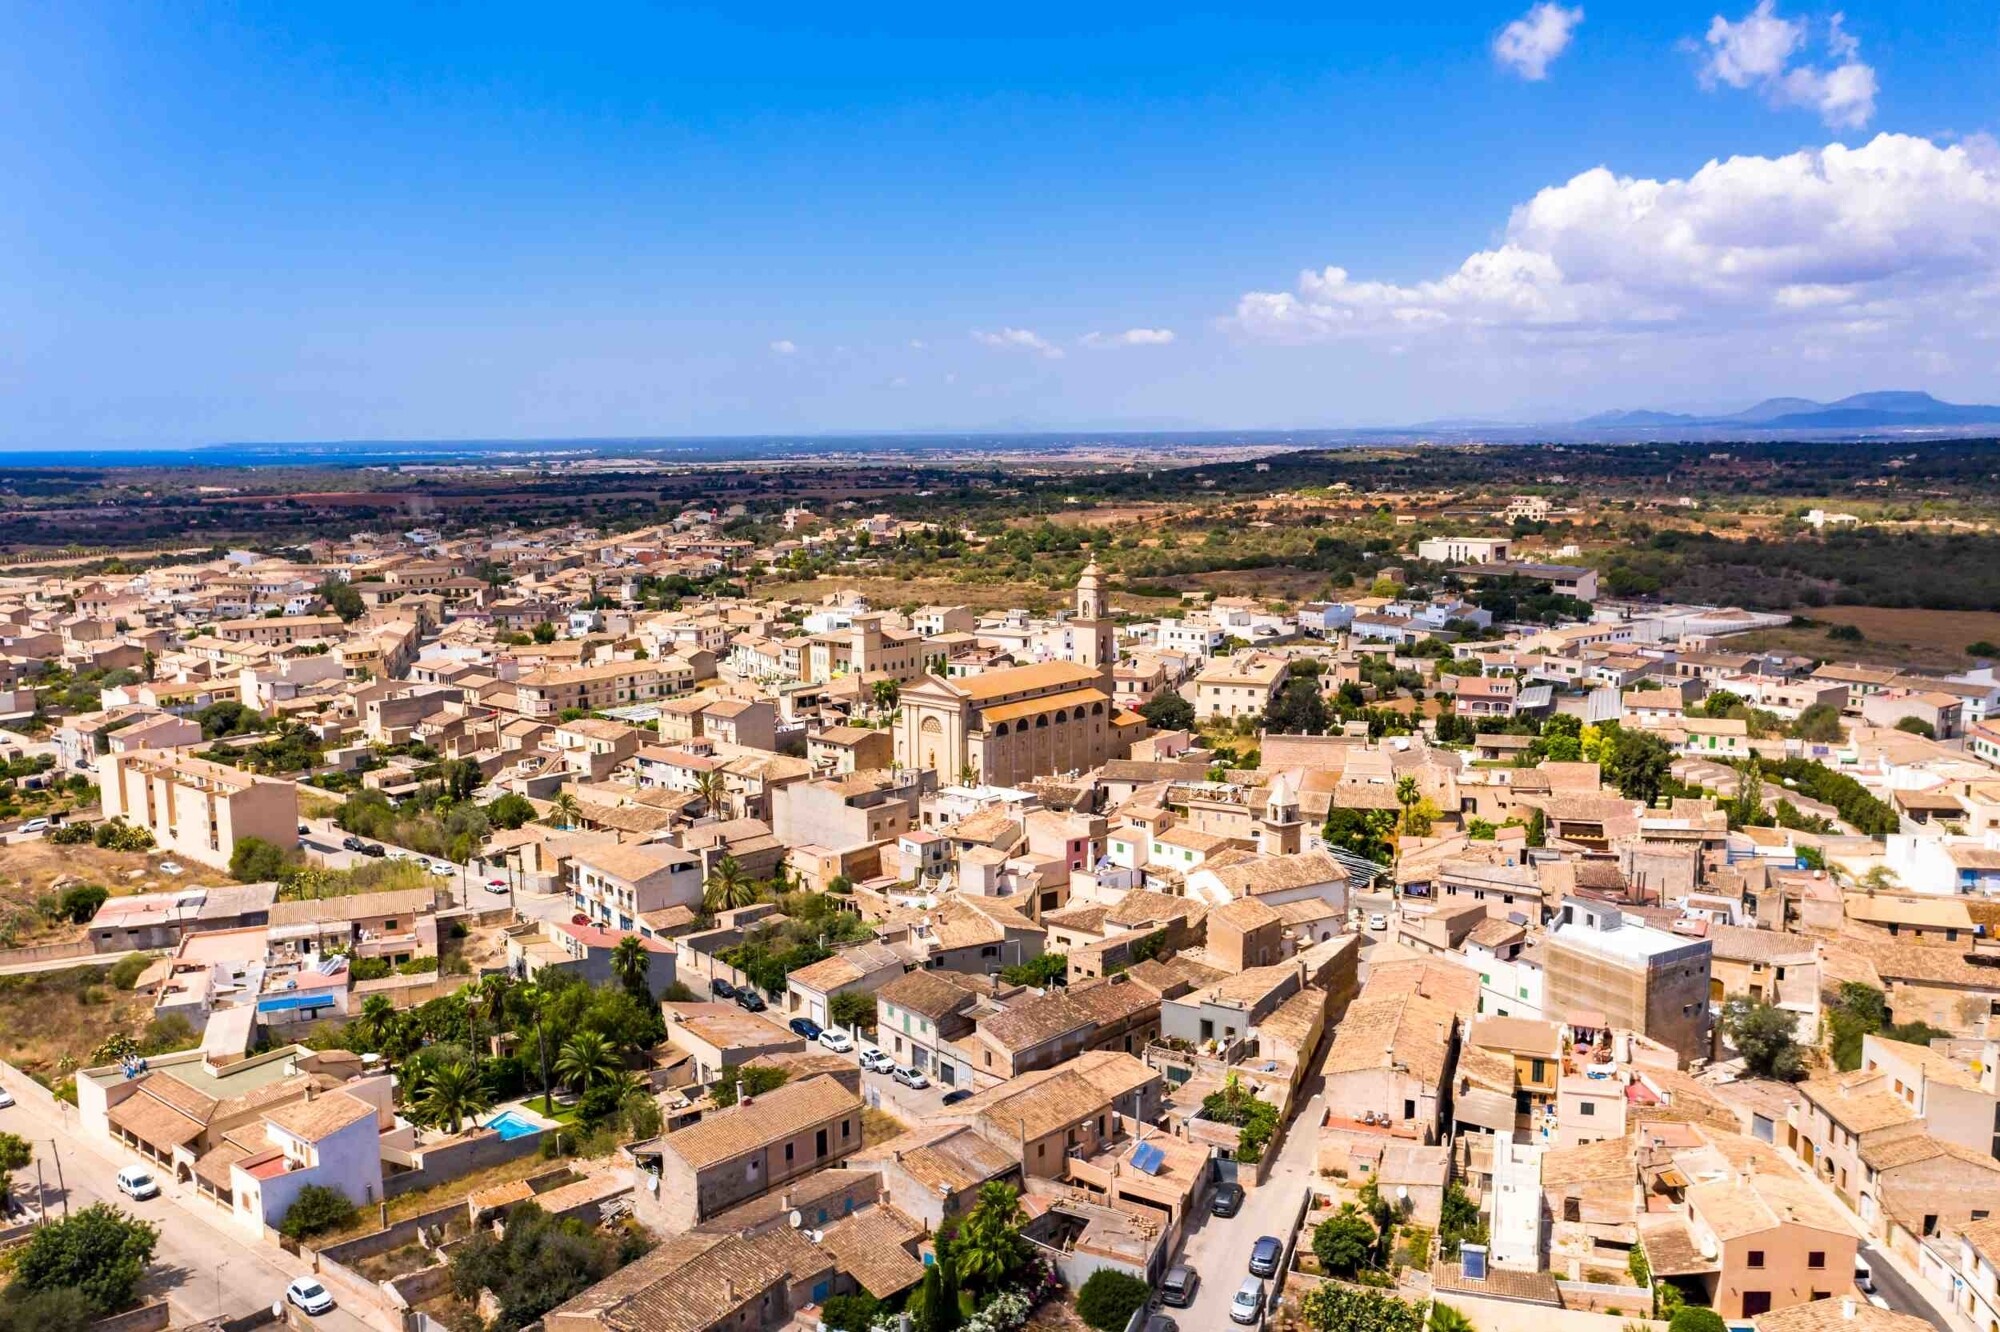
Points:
989	1243
710	787
1444	1318
565	810
886	693
493	994
534	1001
586	1060
451	1092
632	964
728	887
378	1011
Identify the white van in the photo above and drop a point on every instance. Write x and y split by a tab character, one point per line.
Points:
137	1182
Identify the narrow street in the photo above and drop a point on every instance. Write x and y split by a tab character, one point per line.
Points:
203	1263
1218	1248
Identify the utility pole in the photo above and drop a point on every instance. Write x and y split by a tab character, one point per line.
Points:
41	1198
57	1154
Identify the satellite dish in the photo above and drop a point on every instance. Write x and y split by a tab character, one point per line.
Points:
796	1218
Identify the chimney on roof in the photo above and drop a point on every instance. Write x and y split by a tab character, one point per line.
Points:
729	1289
741	1099
1847	1309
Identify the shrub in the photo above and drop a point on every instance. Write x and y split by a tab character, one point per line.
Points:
1344	1242
315	1211
257	861
1109	1299
1694	1318
850	1313
117	835
1333	1308
70	834
79	903
125	972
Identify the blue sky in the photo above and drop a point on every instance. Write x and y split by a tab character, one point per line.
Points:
275	222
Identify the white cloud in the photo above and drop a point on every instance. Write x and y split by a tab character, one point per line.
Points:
918	344
1757	51
1018	339
1898	239
784	347
1131	337
1531	43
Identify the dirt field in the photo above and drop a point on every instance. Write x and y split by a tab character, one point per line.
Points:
1932	640
30	869
50	1021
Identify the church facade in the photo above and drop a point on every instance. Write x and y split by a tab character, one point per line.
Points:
1008	726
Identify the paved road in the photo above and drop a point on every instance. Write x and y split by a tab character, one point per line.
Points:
65	963
1218	1248
1898	1292
202	1263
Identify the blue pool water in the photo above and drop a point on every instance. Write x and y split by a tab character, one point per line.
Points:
510	1124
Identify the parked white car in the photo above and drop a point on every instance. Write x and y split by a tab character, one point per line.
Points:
6	1098
836	1040
33	826
308	1295
137	1182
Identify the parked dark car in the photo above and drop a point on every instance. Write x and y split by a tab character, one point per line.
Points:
954	1097
1177	1288
374	849
806	1027
352	843
1161	1323
1264	1256
721	989
1227	1200
750	1001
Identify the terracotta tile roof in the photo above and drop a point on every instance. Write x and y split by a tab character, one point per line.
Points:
692	1282
948	1156
1858	1105
320	1117
930	993
1065	1010
353	906
875	1248
775	1115
1021	679
1921	1147
1850	1314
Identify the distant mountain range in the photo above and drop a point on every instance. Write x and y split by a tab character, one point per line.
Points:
1862	411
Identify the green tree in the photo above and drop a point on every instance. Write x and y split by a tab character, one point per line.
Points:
1444	1318
728	887
565	810
989	1248
1638	763
851	1313
756	1079
341	598
587	1060
852	1008
257	861
450	1093
1819	724
1344	1242
1040	971
544	633
1168	711
710	787
1917	726
1335	1308
316	1210
1109	1298
99	1251
510	811
15	1152
1763	1034
536	1263
632	964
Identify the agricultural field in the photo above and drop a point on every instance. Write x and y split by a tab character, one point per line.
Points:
1891	636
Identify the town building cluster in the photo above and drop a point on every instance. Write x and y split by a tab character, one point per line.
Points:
1085	929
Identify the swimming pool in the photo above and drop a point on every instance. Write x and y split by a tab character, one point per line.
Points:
511	1124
